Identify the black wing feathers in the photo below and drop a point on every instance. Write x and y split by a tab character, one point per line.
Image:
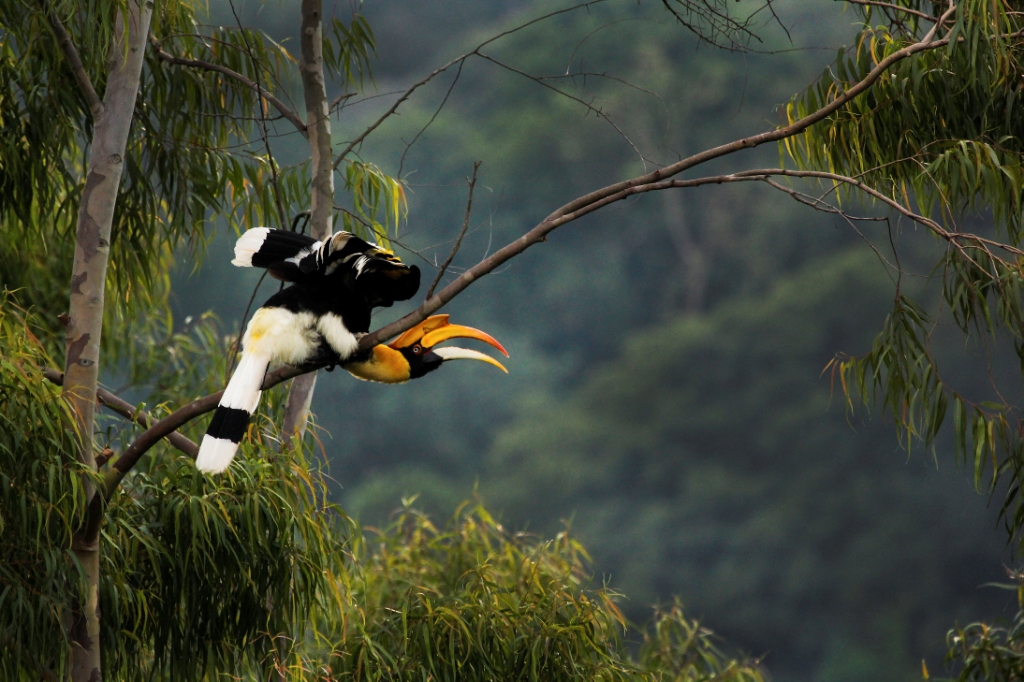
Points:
342	261
383	282
279	246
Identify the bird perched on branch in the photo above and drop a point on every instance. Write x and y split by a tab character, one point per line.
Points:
335	284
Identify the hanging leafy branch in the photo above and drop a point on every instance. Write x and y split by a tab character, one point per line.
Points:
378	202
349	49
938	132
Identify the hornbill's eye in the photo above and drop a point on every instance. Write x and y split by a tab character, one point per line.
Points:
417	349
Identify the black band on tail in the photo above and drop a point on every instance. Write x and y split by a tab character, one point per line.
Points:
229	423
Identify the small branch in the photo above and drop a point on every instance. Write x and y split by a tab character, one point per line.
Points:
437	112
285	110
894	8
151	436
462	233
394	107
926	43
408	93
129	412
343	97
264	135
77	67
590	107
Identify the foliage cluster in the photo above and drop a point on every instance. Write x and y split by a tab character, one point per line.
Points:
937	134
256	571
472	602
989	653
40	494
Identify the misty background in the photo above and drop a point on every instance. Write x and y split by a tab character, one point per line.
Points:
666	399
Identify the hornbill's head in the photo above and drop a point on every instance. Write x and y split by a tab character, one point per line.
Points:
414	353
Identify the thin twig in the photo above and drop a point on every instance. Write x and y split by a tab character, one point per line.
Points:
285	110
851	220
437	112
394	107
895	8
436	72
462	233
75	62
590	107
263	118
343	97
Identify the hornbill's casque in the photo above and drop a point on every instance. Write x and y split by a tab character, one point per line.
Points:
318	320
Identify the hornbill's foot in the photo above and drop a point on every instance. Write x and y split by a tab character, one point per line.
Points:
324	358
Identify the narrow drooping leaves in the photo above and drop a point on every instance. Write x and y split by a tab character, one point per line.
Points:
40	495
939	133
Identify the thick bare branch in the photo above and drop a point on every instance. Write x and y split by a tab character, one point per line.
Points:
129	412
285	110
151	436
536	235
77	67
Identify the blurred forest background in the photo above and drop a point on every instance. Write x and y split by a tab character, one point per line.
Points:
666	396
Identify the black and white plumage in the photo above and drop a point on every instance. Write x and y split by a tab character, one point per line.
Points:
335	285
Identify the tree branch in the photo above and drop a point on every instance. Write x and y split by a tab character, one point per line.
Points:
285	110
408	93
894	8
151	436
536	235
394	107
462	233
129	412
569	212
75	62
926	43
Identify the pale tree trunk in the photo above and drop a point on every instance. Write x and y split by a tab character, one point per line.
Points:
318	126
85	315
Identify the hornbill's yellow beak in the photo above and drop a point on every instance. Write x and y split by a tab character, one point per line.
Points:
413	354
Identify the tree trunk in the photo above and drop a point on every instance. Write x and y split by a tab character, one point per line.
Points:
85	323
318	126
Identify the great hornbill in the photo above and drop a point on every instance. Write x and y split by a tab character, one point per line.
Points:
335	284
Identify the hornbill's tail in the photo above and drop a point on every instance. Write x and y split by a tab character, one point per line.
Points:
231	420
263	247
